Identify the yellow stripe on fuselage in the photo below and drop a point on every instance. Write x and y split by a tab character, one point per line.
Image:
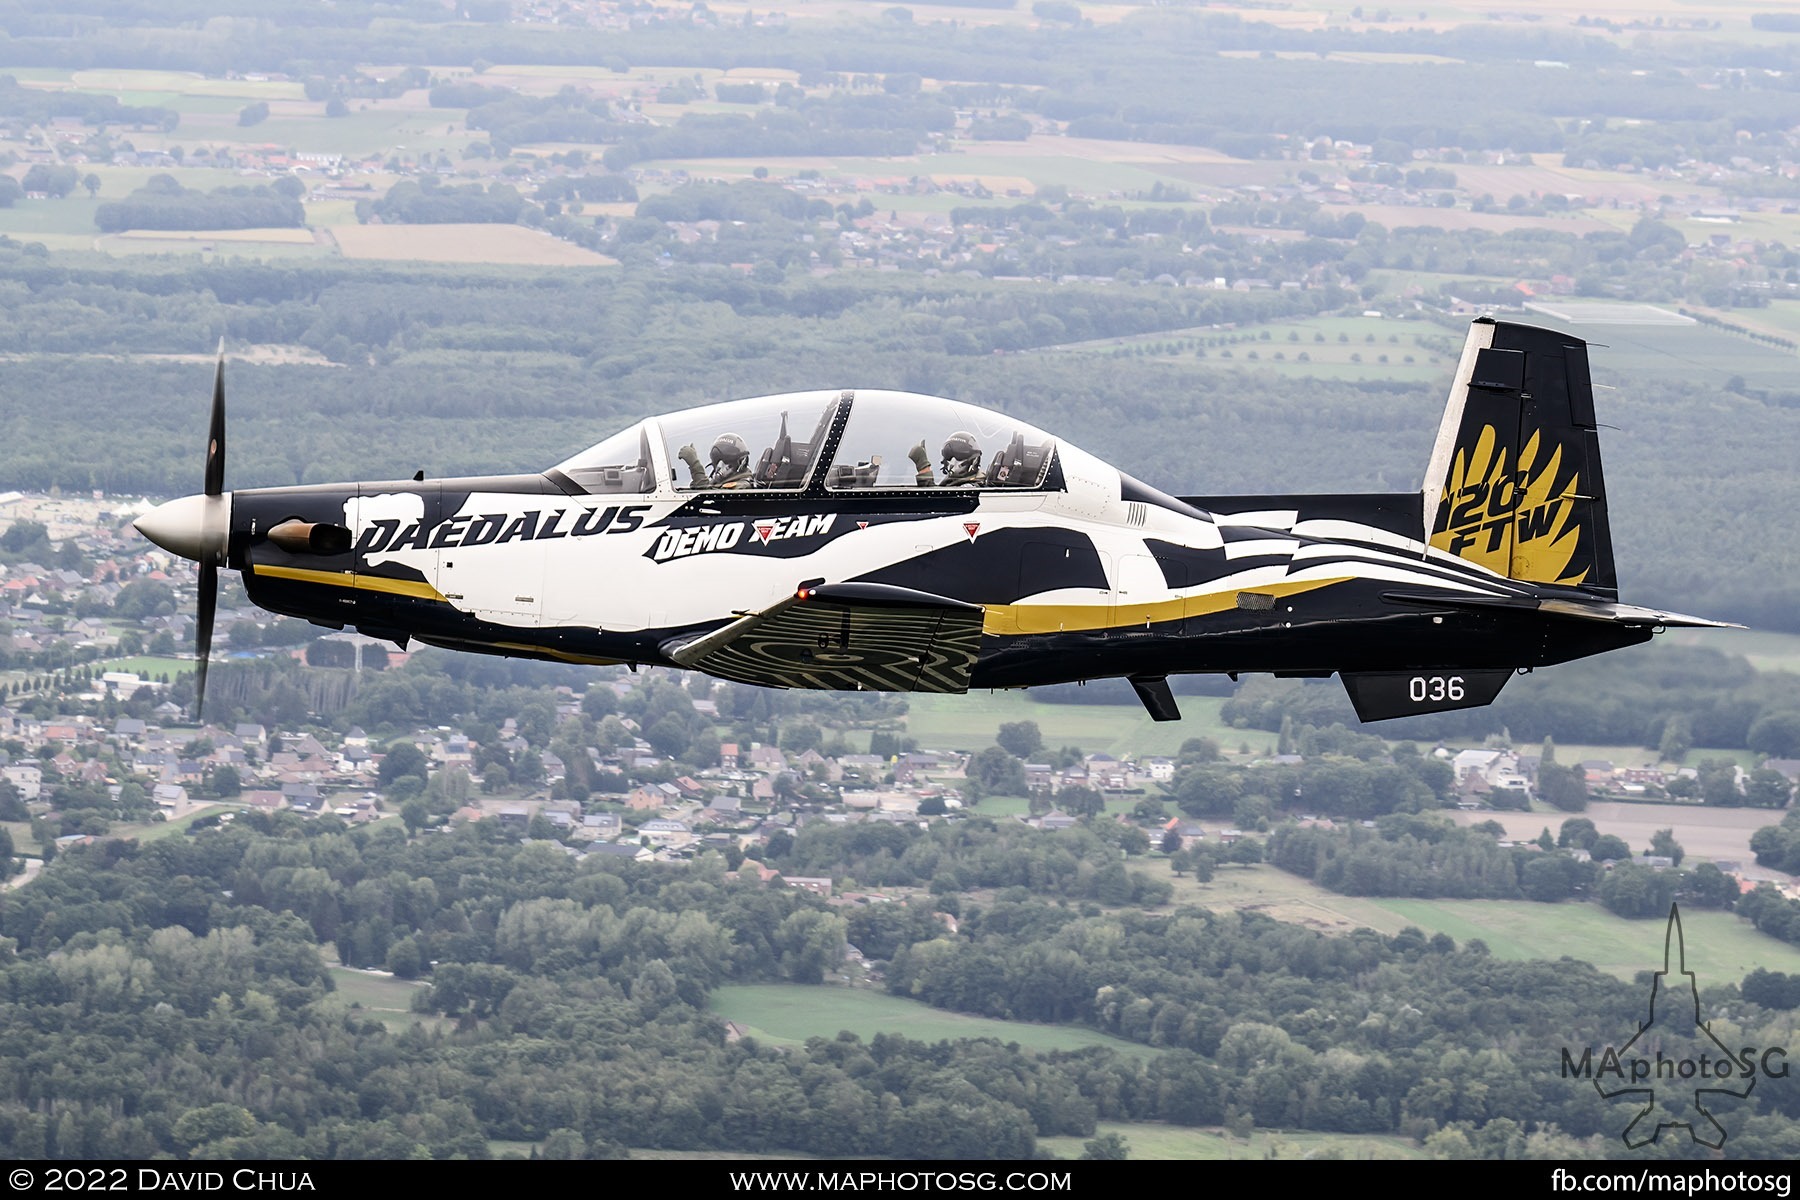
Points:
416	588
1014	619
568	656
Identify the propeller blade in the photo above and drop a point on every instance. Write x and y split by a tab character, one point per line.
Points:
208	601
215	438
203	627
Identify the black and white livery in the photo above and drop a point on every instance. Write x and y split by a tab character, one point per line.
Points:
894	542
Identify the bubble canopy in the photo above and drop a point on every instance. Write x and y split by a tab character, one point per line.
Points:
873	440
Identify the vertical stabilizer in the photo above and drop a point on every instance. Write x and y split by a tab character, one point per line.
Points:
1514	483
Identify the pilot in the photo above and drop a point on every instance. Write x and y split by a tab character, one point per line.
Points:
962	460
730	463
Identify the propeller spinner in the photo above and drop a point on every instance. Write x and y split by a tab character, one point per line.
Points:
199	527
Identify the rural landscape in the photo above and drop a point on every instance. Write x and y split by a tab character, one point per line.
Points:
380	901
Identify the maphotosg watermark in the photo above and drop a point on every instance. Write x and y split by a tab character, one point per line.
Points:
1674	1067
1681	1183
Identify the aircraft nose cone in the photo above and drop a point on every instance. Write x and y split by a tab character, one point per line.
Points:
193	526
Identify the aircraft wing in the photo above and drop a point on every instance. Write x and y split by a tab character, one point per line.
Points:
846	636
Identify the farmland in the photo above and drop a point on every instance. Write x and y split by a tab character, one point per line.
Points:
462	244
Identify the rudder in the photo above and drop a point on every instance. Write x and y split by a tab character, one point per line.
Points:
1514	483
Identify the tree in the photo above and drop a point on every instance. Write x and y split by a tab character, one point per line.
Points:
253	114
1081	801
215	1122
1776	735
1664	845
91	182
53	181
1708	887
1719	783
1020	738
1578	832
1677	738
1108	1146
225	782
1171	842
1197	858
142	598
1767	788
12	802
997	772
1607	848
1245	852
402	758
1549	878
1564	787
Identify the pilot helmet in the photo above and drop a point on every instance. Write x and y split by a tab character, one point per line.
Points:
962	453
730	454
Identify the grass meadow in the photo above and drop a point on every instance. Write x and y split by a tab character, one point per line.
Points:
1174	1143
1721	948
789	1014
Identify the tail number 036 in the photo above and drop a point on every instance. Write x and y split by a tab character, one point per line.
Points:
1421	688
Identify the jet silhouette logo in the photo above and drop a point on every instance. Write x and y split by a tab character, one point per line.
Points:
1674	1067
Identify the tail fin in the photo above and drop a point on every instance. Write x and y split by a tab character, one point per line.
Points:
1514	483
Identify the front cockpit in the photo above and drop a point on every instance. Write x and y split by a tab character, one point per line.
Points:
834	441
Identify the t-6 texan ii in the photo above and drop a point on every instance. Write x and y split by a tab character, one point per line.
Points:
894	542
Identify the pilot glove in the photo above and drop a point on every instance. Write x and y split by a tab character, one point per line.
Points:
691	457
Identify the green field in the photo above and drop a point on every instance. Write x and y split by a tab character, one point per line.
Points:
1721	948
789	1014
383	997
1766	651
155	831
970	722
182	83
23	842
146	667
1174	1143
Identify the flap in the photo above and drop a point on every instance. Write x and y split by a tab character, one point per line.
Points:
845	637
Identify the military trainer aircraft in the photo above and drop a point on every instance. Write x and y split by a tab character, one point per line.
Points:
822	543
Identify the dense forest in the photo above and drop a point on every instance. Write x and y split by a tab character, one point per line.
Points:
169	998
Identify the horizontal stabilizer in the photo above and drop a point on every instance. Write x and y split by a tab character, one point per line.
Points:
1381	695
1580	608
845	637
